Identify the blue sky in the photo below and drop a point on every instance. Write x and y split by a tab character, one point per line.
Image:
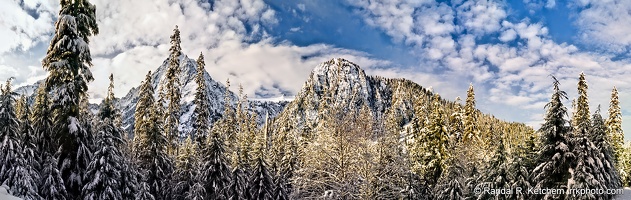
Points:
506	49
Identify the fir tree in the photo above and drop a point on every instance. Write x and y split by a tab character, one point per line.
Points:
586	174
238	186
216	173
144	192
150	143
51	184
67	61
555	156
103	176
11	146
187	170
496	174
598	137
173	93
42	123
201	111
26	177
261	184
615	135
471	131
580	120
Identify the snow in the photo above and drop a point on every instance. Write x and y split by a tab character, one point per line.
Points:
275	99
4	194
626	194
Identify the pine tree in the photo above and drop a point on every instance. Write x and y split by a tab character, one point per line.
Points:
471	132
173	93
555	156
201	111
586	174
598	137
151	143
41	119
103	175
67	61
144	192
431	146
496	173
581	119
51	184
615	135
27	135
450	186
11	146
187	170
261	182
29	164
238	186
216	173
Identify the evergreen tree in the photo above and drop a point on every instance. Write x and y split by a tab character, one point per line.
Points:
173	93
261	184
238	186
496	174
216	173
471	132
187	170
11	146
41	119
144	192
450	186
27	176
431	146
555	156
151	143
615	135
103	176
586	174
201	111
51	184
580	119
67	61
598	137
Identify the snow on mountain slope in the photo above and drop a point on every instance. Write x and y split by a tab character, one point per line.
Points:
214	89
4	194
344	84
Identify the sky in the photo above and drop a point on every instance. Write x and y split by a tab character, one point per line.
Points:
506	49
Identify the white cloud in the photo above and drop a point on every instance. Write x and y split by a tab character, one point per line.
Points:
20	30
603	23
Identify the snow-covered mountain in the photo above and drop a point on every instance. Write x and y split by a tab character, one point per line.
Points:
346	85
188	66
214	89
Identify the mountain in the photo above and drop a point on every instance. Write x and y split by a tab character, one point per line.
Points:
343	84
188	66
214	89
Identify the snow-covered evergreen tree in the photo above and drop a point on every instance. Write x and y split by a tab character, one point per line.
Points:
555	156
11	143
173	94
471	131
187	172
26	178
238	185
150	143
581	118
261	183
41	119
586	173
51	185
216	173
201	112
103	176
598	136
144	192
615	135
67	62
496	173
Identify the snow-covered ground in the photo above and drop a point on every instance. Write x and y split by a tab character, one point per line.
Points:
4	194
626	194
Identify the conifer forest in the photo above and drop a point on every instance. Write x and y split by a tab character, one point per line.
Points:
346	135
